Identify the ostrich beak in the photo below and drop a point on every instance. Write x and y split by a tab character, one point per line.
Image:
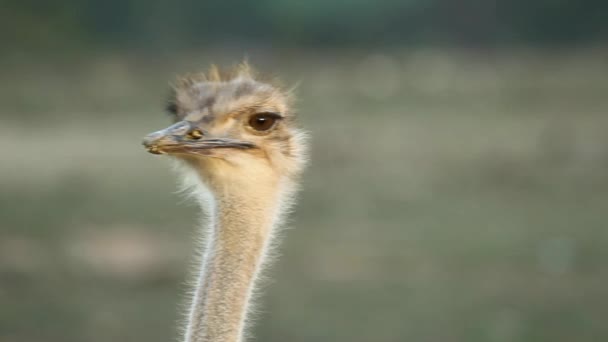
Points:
185	137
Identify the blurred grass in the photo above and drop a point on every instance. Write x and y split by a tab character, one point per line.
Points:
453	196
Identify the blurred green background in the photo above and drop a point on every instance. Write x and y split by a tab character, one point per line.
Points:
458	189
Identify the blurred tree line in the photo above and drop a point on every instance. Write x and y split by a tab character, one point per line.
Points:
184	23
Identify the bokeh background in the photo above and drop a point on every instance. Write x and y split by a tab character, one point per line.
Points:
458	189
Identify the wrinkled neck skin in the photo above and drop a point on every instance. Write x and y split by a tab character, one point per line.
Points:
243	211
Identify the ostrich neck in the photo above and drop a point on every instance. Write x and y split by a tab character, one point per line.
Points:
240	230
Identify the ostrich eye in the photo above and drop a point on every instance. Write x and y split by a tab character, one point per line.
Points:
263	121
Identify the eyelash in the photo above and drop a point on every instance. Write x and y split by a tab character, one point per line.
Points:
264	122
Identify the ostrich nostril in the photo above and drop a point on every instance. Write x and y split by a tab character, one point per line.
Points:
195	134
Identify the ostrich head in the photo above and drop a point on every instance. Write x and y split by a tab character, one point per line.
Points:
231	129
238	135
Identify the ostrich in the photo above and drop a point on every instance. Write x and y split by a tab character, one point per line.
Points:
242	155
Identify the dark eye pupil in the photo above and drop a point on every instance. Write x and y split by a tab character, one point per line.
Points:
262	122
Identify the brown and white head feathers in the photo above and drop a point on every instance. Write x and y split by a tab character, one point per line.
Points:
221	103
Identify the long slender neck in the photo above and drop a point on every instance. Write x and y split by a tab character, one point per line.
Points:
241	227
